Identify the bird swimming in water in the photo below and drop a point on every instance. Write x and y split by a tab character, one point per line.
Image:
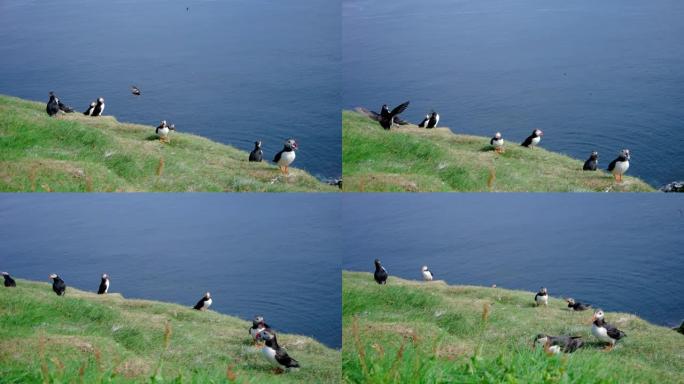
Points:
135	90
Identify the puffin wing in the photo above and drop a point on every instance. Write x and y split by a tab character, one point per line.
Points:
611	166
277	156
527	141
285	360
613	332
199	304
399	108
399	121
373	115
535	296
64	107
102	288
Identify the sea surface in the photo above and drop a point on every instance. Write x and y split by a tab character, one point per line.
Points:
274	255
593	75
619	252
233	71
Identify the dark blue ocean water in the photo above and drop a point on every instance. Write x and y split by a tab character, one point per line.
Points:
257	254
594	75
622	253
234	71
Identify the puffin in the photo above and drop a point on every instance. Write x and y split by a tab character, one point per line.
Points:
258	325
434	120
497	142
257	154
9	281
58	285
380	274
592	162
604	331
274	353
135	90
89	111
620	165
576	305
423	123
52	107
427	275
99	107
387	118
163	131
558	344
204	303
104	285
533	139
286	156
542	297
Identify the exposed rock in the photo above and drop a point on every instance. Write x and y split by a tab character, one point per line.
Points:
675	186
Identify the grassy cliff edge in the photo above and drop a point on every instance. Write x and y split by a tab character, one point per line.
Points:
411	331
85	337
73	152
413	159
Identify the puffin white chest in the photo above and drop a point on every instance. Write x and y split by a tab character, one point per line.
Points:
207	304
106	285
427	275
286	158
163	132
498	143
270	355
601	333
535	141
543	300
621	167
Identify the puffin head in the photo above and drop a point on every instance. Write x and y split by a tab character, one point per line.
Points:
598	315
377	262
540	338
258	319
162	123
53	276
625	153
434	114
105	276
538	132
424	268
291	143
543	290
570	300
265	335
172	127
5	274
257	144
100	100
594	155
207	295
498	135
384	107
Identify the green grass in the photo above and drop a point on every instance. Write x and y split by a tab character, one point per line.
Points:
74	152
89	338
408	158
415	332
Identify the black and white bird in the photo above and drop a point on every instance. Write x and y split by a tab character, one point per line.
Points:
104	285
286	156
423	123
433	121
620	165
99	107
427	275
558	344
135	90
163	130
533	139
592	162
542	297
52	107
380	274
257	154
387	118
58	285
497	142
204	303
258	325
576	305
91	108
604	331
274	353
9	281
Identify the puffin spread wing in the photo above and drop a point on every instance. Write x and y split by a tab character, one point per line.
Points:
373	115
399	109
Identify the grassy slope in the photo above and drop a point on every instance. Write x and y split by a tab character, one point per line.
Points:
121	340
80	153
409	158
410	331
